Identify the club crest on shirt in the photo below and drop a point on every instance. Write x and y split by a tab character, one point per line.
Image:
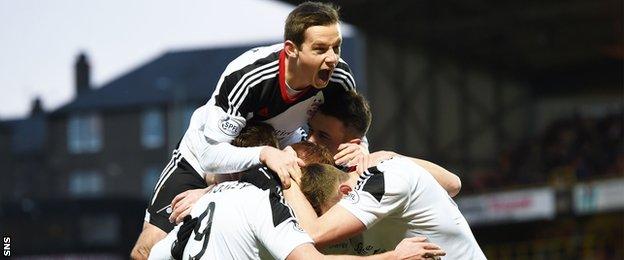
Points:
352	197
229	126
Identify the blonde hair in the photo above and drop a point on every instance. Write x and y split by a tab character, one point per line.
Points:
319	183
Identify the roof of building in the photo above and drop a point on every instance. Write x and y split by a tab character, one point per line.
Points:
26	135
182	76
177	75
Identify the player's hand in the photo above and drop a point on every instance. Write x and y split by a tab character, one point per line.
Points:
375	158
417	248
285	163
182	203
350	154
363	162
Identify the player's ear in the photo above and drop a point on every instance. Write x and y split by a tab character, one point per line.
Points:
355	141
291	49
344	189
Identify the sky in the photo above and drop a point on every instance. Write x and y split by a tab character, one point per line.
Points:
40	40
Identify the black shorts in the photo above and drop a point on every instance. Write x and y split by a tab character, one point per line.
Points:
177	177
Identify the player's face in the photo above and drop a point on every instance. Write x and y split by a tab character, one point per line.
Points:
319	54
327	131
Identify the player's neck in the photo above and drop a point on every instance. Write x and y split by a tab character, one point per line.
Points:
353	178
291	71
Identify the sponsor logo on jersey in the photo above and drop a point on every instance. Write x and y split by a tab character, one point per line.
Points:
229	127
352	197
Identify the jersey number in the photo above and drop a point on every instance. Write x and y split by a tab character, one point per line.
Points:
204	235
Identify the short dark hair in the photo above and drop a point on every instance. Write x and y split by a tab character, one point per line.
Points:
318	183
306	15
312	153
351	109
256	134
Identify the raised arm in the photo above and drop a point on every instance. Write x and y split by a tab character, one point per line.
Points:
209	134
218	122
449	181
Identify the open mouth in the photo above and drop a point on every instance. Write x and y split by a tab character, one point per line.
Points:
324	74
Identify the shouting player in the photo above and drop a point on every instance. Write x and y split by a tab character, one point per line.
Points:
281	85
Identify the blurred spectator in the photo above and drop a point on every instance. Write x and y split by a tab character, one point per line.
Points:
569	150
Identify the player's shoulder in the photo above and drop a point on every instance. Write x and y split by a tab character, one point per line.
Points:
265	179
342	77
372	181
403	172
261	177
395	174
256	57
381	180
261	52
343	65
400	164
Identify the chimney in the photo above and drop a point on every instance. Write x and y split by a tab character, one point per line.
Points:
36	107
82	74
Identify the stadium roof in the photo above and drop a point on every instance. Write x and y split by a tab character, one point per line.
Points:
538	41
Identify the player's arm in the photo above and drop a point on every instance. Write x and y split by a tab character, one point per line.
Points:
183	203
220	121
162	249
449	181
210	142
224	119
410	248
149	236
334	226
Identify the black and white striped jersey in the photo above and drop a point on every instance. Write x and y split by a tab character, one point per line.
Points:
252	87
399	199
234	220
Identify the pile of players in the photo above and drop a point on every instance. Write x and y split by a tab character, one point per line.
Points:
276	165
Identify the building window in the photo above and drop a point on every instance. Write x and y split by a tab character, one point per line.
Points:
84	133
150	178
152	128
86	184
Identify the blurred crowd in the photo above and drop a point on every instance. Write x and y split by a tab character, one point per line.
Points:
570	149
